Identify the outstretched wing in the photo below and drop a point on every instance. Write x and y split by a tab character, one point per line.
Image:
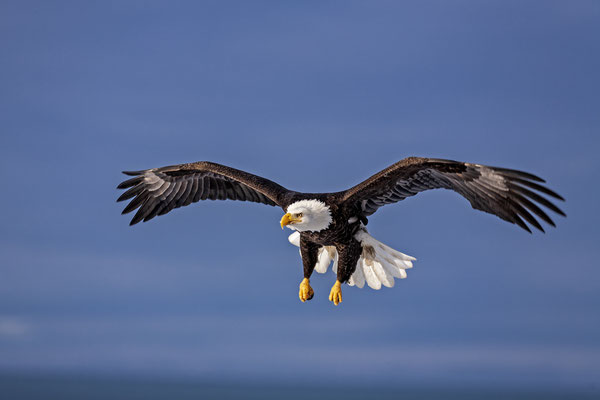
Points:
509	194
157	191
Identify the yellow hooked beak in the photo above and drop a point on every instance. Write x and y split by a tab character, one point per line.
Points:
288	219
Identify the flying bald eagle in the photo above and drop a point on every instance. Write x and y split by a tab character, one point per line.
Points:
331	226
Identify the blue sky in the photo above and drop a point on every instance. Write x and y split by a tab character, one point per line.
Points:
316	96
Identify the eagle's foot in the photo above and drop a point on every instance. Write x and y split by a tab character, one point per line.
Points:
306	292
336	293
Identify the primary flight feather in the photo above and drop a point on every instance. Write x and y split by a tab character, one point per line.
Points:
331	226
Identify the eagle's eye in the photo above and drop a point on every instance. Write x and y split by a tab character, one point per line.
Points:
299	215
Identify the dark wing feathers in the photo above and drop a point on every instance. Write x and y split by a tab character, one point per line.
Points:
510	194
500	191
159	190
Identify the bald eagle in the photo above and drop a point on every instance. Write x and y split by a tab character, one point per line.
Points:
332	226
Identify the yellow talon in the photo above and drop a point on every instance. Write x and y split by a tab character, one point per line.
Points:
336	293
306	292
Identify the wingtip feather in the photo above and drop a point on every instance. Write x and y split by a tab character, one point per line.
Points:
133	173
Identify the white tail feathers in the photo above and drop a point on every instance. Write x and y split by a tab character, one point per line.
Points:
294	238
326	254
378	264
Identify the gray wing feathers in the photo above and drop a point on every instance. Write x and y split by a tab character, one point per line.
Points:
159	190
504	192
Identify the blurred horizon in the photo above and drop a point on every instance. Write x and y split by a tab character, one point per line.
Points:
316	96
95	386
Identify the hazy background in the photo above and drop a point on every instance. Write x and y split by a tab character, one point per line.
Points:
316	95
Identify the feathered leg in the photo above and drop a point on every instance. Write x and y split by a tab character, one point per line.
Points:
348	257
310	254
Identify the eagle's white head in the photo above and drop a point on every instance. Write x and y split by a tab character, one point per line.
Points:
307	215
